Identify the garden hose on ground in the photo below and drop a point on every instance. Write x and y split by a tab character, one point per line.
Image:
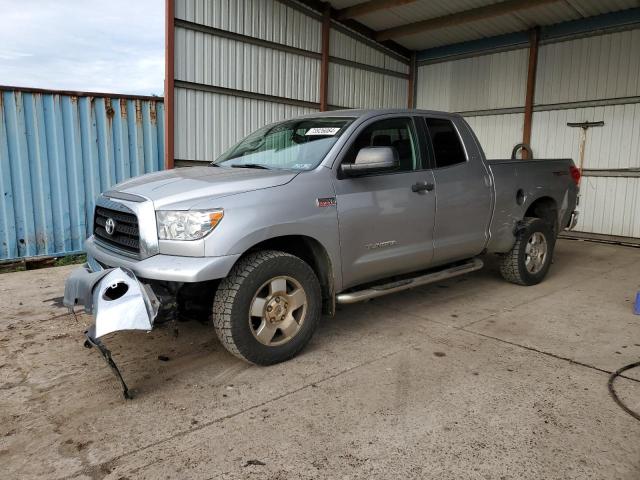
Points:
613	393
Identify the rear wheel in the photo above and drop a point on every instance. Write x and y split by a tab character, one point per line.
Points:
530	258
268	307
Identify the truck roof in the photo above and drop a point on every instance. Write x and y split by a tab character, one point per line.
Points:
373	112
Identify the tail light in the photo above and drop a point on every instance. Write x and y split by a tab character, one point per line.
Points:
576	174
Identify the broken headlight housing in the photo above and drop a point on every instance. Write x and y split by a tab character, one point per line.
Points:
186	225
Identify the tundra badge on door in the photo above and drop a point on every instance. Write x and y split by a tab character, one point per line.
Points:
373	246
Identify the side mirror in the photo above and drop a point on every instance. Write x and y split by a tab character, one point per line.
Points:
372	160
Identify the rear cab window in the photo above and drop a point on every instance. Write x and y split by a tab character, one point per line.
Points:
445	142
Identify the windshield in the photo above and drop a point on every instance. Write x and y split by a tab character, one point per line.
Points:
294	144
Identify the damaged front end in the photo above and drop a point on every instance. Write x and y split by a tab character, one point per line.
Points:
117	300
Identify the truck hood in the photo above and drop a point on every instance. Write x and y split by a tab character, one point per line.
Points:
182	188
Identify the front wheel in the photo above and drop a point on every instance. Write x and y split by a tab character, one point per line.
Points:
268	307
530	258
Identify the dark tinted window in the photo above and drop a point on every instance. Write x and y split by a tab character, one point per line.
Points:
396	133
446	142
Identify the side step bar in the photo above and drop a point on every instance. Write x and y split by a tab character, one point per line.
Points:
393	287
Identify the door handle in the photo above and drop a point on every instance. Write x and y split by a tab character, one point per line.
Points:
422	187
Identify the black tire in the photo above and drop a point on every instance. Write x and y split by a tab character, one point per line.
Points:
236	293
513	265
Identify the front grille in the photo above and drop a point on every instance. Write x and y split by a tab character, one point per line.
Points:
125	236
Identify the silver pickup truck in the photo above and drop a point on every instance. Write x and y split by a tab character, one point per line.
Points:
329	208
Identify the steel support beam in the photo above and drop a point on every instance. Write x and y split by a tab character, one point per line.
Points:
369	7
585	27
324	62
413	72
350	27
603	102
534	41
169	76
238	37
252	95
467	16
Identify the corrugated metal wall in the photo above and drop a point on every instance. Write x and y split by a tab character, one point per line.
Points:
603	72
592	68
480	85
352	86
209	60
240	64
57	153
218	121
584	79
207	121
263	19
488	82
498	134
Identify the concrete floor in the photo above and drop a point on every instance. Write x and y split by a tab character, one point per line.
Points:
470	378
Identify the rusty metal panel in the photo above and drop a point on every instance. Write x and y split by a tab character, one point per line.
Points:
57	153
483	82
592	68
353	87
199	116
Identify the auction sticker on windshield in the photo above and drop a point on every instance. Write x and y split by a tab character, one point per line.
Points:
324	131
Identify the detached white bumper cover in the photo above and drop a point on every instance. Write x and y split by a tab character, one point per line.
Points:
114	296
117	300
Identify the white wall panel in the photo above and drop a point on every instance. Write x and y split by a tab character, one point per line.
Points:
610	206
485	82
592	68
616	145
344	46
580	70
218	61
264	19
498	134
356	88
207	124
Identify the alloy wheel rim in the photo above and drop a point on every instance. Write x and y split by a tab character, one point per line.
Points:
277	311
536	252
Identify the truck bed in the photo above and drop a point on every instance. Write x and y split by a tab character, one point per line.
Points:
517	182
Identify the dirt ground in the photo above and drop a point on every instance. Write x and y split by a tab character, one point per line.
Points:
470	378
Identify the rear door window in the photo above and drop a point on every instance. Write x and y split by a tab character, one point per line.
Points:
446	143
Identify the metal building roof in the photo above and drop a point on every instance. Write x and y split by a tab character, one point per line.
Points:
456	17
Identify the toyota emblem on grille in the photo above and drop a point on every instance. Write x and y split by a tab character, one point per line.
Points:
110	226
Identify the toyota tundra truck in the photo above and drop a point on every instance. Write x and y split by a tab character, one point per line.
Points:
325	209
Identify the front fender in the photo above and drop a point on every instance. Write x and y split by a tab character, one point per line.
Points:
292	209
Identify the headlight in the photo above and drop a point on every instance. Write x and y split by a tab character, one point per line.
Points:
186	225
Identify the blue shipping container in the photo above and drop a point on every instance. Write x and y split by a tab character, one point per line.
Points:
58	151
